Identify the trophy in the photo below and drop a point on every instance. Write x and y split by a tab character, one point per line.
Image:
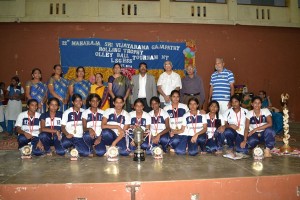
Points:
258	153
157	153
26	152
139	154
112	154
74	154
286	147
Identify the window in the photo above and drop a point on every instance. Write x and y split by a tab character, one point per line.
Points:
280	3
203	1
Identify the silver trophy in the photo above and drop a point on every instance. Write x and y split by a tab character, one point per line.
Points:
112	154
26	152
139	154
74	154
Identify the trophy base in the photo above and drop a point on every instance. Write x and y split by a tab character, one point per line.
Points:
73	158
258	158
139	156
26	157
286	149
158	157
115	159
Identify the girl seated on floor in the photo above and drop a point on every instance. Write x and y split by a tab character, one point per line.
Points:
91	120
192	132
215	129
72	127
142	119
28	128
258	128
115	124
50	122
235	119
176	111
160	126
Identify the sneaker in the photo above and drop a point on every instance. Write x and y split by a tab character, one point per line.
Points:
267	153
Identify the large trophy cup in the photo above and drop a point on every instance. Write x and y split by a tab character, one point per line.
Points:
139	154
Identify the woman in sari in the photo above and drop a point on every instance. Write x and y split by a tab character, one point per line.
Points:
79	85
36	89
118	85
101	90
58	88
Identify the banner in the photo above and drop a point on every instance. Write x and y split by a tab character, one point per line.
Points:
96	52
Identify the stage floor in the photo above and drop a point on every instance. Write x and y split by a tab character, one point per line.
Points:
60	170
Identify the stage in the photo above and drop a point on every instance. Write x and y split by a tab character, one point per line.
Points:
173	177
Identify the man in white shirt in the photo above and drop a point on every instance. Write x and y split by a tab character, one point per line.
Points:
143	87
167	82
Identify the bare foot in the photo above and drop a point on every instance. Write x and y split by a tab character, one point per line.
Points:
172	150
91	155
267	153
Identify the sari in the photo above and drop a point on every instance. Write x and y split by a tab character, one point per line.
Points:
38	91
60	87
277	117
82	88
14	107
119	86
102	91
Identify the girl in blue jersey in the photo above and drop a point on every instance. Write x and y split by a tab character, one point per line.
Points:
258	128
114	125
50	122
192	131
235	119
215	129
91	120
176	111
142	119
160	126
72	127
28	128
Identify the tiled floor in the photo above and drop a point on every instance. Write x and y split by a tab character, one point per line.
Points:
14	170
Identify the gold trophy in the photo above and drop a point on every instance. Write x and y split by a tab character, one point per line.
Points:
74	154
26	152
286	147
139	154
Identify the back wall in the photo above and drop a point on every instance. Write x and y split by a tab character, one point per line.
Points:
263	58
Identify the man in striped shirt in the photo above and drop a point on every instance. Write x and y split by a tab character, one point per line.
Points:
221	85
